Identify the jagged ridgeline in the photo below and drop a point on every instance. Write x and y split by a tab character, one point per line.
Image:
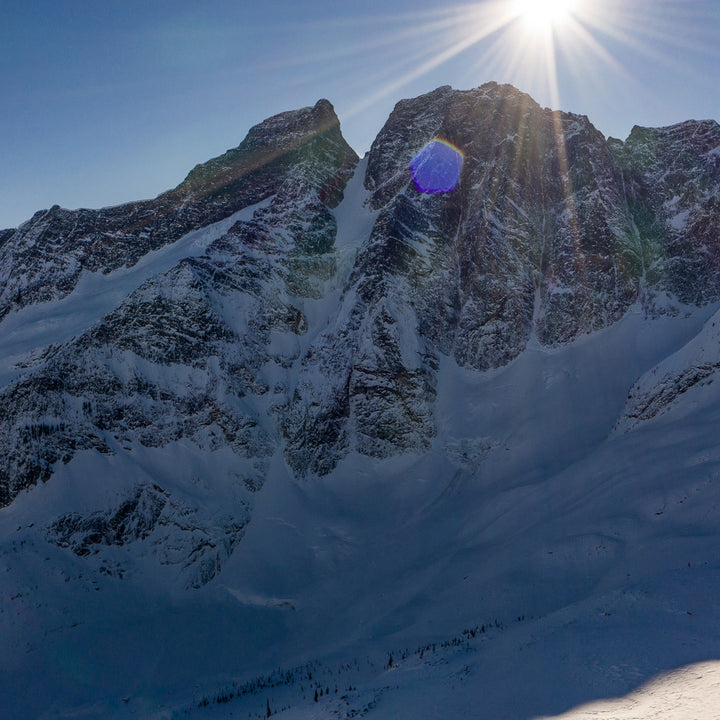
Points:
266	343
43	259
177	358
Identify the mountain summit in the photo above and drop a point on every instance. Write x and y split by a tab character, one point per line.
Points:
300	399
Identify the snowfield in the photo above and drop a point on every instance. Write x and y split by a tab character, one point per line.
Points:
693	692
588	557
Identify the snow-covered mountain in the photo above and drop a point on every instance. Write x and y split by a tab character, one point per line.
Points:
296	420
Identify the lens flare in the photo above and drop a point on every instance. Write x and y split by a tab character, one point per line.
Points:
436	168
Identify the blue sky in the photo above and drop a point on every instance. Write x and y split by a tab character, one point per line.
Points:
105	101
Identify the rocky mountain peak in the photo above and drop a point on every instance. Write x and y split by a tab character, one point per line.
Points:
268	146
43	259
319	328
298	394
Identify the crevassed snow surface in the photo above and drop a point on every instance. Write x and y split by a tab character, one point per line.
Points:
24	334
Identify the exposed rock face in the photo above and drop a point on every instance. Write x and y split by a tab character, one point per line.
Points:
539	238
179	356
43	259
268	340
532	238
671	179
175	533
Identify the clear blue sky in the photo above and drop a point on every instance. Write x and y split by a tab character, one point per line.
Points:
105	101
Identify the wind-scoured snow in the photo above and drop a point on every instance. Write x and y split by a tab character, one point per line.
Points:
354	220
692	692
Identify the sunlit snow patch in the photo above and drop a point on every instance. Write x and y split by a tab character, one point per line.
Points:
436	168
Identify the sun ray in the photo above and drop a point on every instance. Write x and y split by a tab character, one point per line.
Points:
584	40
392	39
472	38
536	45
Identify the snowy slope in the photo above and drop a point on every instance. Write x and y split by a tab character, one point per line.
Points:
27	332
389	455
681	383
594	542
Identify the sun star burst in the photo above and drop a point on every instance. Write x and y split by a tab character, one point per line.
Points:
543	14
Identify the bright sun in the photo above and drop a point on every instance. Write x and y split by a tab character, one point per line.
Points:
542	15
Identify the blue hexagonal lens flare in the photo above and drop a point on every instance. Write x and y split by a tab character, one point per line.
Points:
436	168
